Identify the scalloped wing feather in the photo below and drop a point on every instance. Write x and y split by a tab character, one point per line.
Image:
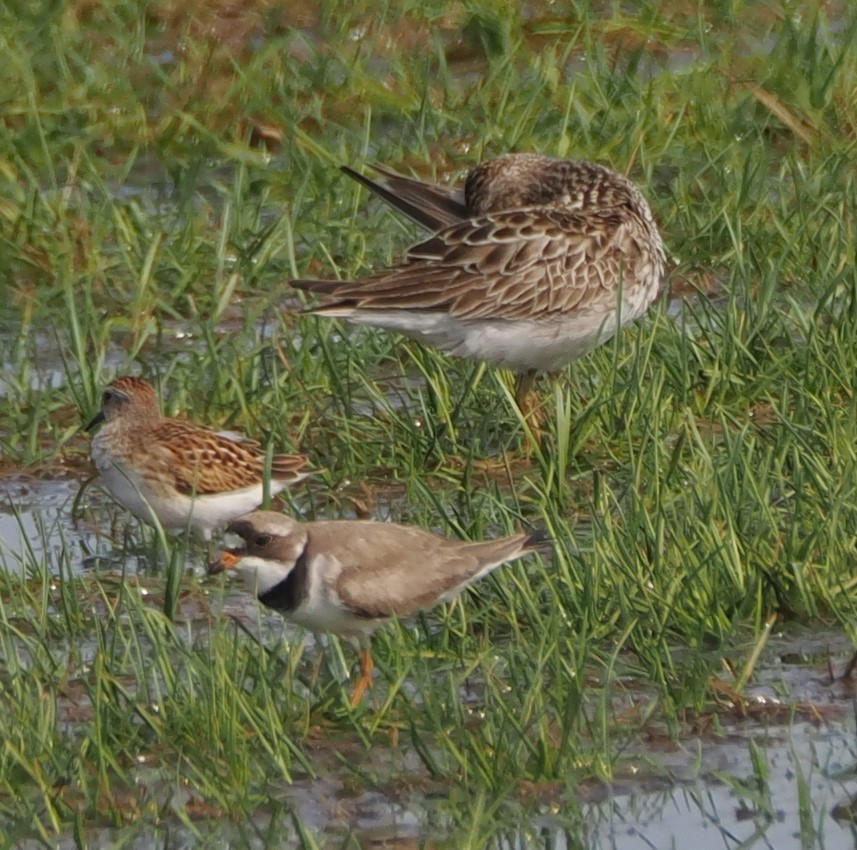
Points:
506	265
200	461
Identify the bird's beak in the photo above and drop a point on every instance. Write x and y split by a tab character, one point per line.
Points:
227	560
96	420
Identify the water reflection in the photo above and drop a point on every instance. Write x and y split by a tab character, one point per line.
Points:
786	800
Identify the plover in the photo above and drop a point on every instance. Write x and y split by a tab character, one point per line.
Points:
349	577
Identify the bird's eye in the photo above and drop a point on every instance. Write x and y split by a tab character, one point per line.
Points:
262	539
107	395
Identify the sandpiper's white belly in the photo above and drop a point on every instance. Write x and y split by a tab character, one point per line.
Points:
216	510
543	345
132	492
176	511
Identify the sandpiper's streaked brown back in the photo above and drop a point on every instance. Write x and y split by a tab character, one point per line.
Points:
534	263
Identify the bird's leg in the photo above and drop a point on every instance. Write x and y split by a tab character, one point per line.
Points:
365	680
524	385
315	670
529	404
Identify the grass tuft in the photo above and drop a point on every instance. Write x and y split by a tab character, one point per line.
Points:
165	169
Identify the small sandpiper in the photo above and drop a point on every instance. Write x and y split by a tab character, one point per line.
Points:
183	475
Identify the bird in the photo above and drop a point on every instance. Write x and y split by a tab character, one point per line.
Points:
534	263
176	473
350	577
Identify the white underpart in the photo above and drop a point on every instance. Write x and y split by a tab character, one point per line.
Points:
175	511
323	610
523	345
261	574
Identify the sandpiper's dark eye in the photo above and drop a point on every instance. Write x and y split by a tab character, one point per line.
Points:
108	394
262	539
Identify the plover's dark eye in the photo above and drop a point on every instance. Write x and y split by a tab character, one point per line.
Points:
262	539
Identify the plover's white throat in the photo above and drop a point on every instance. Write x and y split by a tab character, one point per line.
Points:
351	576
184	475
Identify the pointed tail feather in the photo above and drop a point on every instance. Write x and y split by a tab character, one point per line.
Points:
539	540
432	207
319	287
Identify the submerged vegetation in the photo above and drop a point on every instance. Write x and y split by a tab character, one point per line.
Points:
166	168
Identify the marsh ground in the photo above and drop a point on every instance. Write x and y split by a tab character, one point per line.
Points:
672	673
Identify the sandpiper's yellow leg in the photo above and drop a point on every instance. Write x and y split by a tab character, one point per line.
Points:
529	403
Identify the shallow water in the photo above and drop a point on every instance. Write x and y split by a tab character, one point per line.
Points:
744	783
777	769
36	522
711	798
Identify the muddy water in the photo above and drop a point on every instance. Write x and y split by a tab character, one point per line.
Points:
728	782
36	522
778	770
782	775
728	804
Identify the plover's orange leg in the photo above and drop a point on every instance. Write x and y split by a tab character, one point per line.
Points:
367	665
